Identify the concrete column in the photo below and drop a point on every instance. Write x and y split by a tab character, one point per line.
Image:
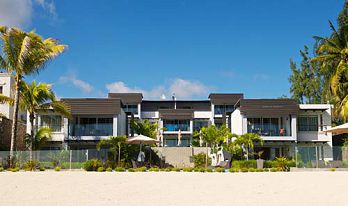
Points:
114	126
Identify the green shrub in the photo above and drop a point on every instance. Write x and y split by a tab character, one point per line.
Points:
209	170
268	164
282	162
31	165
109	169
187	169
120	169
259	170
16	169
244	169
274	169
168	169
176	169
219	169
108	164
57	169
196	169
141	169
100	169
251	170
266	169
200	159
244	164
332	169
131	170
154	169
42	169
233	170
1	169
92	165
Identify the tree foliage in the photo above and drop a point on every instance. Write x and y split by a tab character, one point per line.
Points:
145	127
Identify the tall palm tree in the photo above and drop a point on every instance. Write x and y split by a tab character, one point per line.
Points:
24	53
39	139
246	141
36	98
332	53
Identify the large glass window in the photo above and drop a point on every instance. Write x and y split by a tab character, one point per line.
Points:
266	126
92	126
199	123
307	123
133	108
176	125
51	121
222	109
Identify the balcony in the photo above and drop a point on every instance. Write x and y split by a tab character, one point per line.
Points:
91	130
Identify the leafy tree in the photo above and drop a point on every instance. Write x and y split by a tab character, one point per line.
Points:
24	53
114	143
306	81
145	127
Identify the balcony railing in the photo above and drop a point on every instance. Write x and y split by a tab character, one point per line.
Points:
177	127
268	132
91	130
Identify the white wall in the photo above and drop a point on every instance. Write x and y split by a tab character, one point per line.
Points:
237	122
7	82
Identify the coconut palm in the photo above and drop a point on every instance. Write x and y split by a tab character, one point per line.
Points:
24	53
39	98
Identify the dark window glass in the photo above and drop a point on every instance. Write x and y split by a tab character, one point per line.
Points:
309	123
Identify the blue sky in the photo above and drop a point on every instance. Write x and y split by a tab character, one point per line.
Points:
159	47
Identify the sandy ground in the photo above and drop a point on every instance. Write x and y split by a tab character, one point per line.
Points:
172	188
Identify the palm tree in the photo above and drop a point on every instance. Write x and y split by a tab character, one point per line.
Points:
114	143
40	138
246	141
24	53
36	98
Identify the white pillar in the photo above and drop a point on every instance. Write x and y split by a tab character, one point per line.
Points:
114	126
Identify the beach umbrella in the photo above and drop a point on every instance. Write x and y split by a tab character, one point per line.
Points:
141	139
339	129
179	138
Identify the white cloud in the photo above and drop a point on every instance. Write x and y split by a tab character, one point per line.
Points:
185	88
19	13
82	85
15	12
181	87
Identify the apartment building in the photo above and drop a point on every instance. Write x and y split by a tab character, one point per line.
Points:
283	124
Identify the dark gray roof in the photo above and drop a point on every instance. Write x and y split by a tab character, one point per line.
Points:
176	113
93	106
127	98
255	107
225	98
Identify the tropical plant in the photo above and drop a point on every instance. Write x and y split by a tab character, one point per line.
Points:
214	137
24	53
92	165
200	159
40	138
145	127
114	143
247	141
36	98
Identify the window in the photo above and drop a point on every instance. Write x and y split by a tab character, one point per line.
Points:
199	123
52	121
176	125
92	126
1	89
131	108
222	109
265	126
308	123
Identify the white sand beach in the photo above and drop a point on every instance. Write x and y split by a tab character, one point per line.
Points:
172	188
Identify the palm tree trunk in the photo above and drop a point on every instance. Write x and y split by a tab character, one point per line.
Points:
31	119
14	121
119	154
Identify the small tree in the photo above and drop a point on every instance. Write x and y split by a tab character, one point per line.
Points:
114	143
246	141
